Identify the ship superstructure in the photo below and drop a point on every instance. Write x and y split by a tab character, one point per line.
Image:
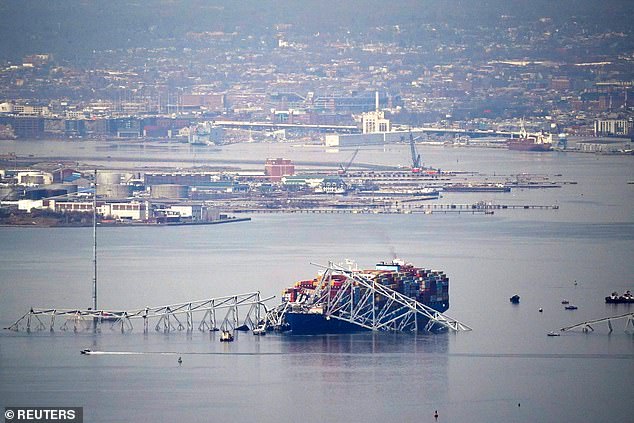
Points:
531	142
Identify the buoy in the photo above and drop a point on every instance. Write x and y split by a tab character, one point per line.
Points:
180	361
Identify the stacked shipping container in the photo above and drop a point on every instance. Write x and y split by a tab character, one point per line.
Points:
429	287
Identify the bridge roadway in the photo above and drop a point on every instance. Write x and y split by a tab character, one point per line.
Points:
279	125
356	129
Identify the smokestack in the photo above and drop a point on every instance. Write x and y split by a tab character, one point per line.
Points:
376	101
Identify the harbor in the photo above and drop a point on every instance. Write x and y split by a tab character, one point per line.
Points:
59	195
536	253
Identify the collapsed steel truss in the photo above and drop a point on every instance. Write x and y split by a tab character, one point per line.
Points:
173	317
587	326
363	302
359	300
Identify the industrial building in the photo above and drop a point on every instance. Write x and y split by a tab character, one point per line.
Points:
604	145
375	121
136	210
205	133
320	183
275	169
612	127
185	178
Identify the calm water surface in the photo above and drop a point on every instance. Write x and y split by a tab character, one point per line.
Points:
478	376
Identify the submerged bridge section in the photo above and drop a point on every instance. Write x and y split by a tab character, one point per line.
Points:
222	313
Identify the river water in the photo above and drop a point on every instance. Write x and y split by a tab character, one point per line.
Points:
505	370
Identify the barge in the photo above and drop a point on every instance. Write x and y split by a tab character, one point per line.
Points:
477	188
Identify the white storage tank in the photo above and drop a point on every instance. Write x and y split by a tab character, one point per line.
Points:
169	191
114	191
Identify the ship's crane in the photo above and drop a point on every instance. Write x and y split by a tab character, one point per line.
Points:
344	170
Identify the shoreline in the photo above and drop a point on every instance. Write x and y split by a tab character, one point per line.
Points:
135	224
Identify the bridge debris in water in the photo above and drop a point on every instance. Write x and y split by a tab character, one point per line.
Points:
587	326
363	303
222	313
360	301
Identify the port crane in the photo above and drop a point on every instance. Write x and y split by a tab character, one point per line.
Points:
416	164
343	170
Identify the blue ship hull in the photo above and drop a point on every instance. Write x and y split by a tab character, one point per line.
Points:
315	324
318	324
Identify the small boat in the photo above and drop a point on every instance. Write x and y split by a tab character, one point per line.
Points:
553	333
564	301
260	330
86	351
571	307
226	336
515	299
615	298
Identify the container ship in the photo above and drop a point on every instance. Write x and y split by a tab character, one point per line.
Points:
325	304
530	142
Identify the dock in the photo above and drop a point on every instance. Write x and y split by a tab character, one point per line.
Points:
403	207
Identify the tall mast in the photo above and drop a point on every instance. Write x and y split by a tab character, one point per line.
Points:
94	246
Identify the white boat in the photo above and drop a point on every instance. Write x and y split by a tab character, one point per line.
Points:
226	336
260	330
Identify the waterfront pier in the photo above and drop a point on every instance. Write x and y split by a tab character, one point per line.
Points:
403	206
